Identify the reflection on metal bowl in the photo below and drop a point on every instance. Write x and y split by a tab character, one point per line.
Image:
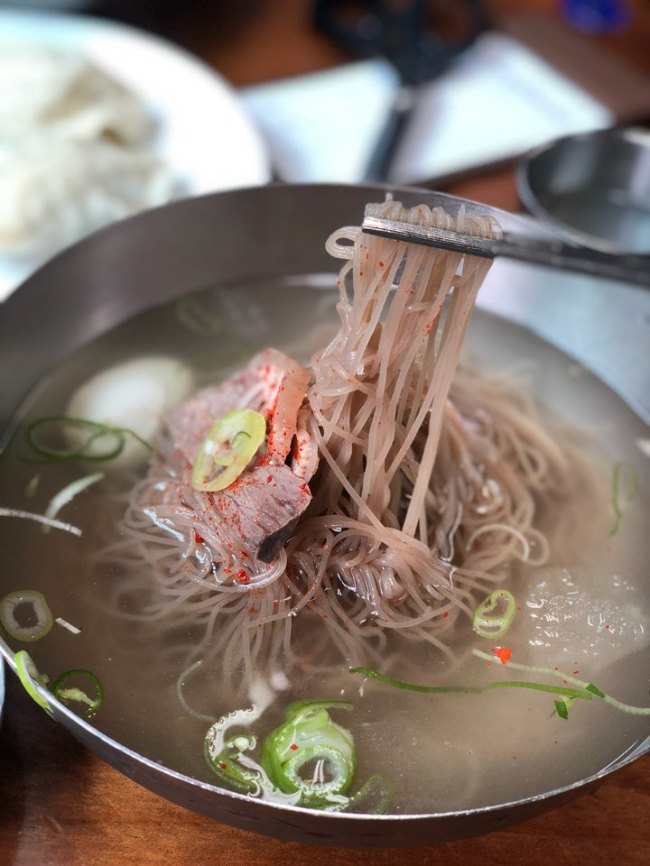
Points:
593	188
231	238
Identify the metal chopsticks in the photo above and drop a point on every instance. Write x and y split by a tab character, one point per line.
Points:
551	252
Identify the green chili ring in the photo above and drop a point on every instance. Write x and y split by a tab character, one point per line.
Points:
40	608
66	695
30	678
488	624
227	449
309	736
225	766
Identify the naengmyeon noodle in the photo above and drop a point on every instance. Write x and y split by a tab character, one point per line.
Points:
431	483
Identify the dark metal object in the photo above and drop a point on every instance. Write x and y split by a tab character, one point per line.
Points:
152	258
410	34
594	189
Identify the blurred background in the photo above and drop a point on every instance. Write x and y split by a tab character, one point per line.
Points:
440	93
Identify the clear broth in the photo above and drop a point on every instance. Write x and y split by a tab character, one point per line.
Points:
441	753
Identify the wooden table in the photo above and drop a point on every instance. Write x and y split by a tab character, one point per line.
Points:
62	806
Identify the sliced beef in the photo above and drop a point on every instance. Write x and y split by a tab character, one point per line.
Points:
259	511
189	422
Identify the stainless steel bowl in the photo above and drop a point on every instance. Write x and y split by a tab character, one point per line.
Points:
593	188
271	232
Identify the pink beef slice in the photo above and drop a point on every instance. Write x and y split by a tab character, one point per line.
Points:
260	510
189	422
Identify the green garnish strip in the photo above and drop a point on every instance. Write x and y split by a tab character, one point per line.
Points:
580	689
496	684
581	684
619	499
96	431
491	625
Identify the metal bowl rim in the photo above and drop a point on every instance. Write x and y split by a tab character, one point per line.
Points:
74	720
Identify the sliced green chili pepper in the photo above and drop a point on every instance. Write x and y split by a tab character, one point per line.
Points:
226	764
308	760
38	620
227	449
486	623
30	678
311	754
77	695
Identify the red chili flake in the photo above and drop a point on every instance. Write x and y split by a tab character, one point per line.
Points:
242	577
269	478
575	673
381	264
293	747
445	614
199	539
502	653
222	766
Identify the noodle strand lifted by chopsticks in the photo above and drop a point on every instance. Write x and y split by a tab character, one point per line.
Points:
430	479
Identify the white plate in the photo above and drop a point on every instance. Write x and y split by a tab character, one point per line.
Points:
203	133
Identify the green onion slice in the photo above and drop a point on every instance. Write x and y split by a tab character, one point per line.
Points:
574	689
74	695
102	442
30	678
311	755
25	615
227	449
471	690
489	623
65	496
